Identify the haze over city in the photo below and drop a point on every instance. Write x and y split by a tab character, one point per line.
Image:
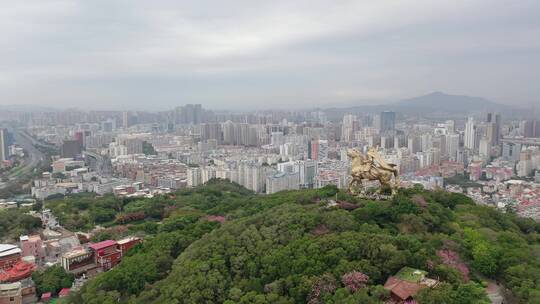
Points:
257	54
270	152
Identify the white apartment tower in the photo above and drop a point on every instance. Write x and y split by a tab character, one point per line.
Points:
470	134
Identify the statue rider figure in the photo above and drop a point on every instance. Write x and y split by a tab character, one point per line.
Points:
374	158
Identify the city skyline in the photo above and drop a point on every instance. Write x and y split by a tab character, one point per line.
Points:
251	55
302	151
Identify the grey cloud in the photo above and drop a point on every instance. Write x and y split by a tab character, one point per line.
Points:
238	54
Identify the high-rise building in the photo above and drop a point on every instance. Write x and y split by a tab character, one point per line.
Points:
277	139
133	145
349	127
80	137
452	145
308	171
189	114
282	181
388	121
531	128
313	149
485	147
450	126
108	125
125	119
194	177
4	153
71	148
511	151
414	144
493	130
317	149
211	131
470	134
323	149
426	142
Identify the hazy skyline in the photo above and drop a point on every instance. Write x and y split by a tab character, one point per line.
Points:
254	54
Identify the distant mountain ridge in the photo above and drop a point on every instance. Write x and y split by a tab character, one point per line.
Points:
439	101
436	104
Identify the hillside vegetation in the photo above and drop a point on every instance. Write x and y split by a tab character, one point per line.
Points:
290	247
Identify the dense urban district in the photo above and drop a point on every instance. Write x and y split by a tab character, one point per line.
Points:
200	206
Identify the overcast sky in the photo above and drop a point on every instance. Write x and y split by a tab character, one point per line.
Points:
265	54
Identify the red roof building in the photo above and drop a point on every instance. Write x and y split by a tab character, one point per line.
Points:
21	270
9	256
106	254
406	283
126	244
46	297
102	245
401	290
64	292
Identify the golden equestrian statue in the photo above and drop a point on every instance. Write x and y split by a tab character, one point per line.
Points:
372	167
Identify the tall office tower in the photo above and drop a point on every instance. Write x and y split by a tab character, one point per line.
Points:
452	145
388	121
125	119
493	131
4	153
71	148
349	127
470	134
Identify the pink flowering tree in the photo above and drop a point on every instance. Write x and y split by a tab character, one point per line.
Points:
451	258
325	284
354	280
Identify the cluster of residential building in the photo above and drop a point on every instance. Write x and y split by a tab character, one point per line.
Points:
143	154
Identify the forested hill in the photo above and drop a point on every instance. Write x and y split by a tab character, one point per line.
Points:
295	247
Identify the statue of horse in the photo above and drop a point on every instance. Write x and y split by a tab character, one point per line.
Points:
372	167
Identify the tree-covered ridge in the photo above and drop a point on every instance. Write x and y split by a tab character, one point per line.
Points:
291	247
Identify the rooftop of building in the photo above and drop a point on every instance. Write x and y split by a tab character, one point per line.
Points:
102	245
127	240
75	252
10	289
9	249
30	238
